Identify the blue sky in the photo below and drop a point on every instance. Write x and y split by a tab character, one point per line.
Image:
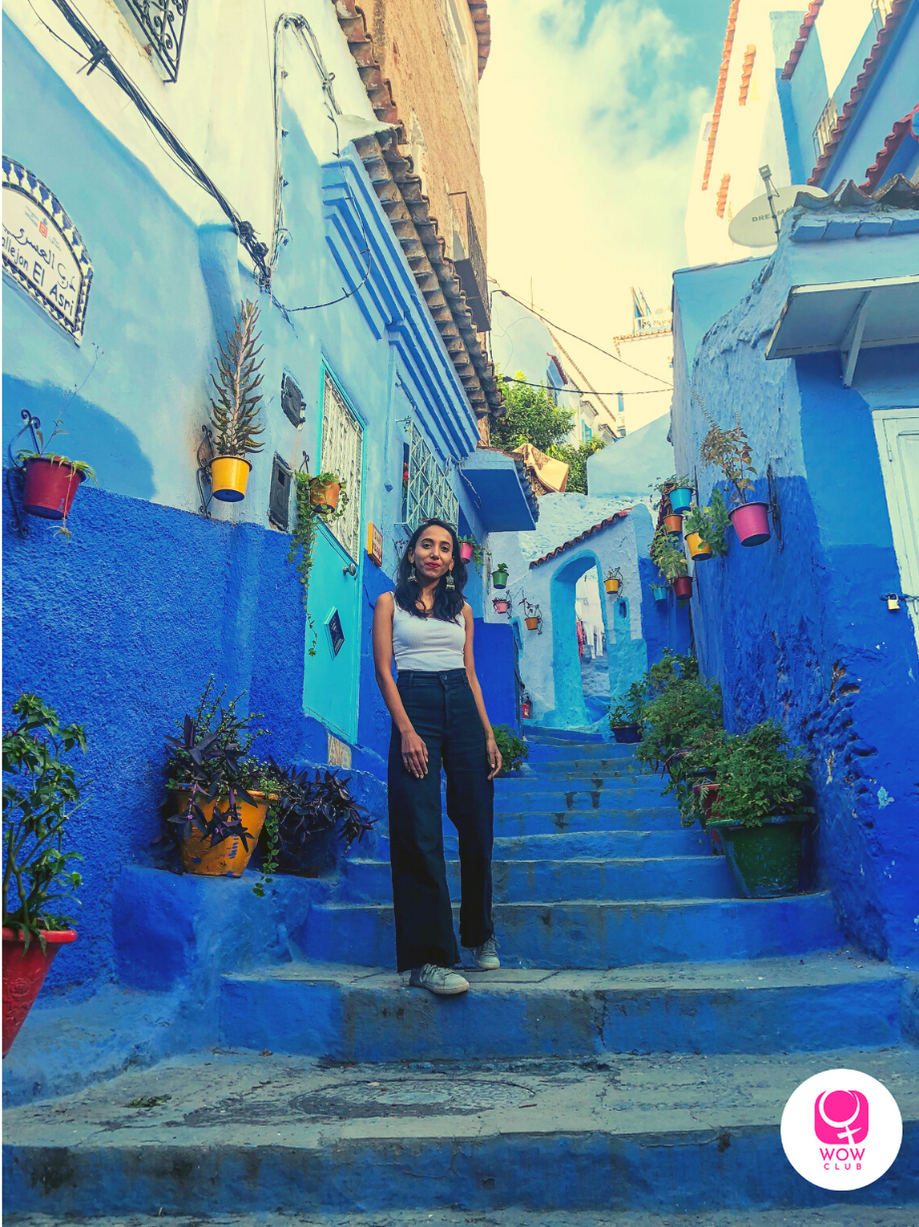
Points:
590	114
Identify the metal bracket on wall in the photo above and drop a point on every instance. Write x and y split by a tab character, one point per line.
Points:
16	473
205	455
774	507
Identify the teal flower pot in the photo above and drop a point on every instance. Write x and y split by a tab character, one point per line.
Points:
765	860
681	499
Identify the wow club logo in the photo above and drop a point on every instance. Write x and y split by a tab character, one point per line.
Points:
841	1129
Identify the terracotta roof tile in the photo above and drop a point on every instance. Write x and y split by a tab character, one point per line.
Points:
863	81
723	195
903	128
719	93
803	35
482	23
746	73
589	532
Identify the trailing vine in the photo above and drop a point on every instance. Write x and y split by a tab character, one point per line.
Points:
303	538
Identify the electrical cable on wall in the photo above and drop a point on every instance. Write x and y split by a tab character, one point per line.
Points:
590	392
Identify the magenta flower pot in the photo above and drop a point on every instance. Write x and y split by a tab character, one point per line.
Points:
466	551
751	523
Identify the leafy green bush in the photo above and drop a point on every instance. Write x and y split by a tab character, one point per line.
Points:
514	750
630	709
760	776
710	523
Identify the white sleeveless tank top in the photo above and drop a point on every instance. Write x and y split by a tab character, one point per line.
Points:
427	644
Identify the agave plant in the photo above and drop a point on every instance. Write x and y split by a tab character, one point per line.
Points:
234	414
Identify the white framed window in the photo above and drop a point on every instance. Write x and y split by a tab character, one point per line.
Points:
343	454
897	432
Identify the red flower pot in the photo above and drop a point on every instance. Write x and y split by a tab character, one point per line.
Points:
682	587
24	973
751	523
50	488
466	551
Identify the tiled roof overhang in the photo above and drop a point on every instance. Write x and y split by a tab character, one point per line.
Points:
907	126
863	81
399	191
719	93
588	532
803	35
482	23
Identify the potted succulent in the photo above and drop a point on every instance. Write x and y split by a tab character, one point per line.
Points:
533	617
613	581
304	817
671	562
40	795
626	717
761	809
499	576
514	750
321	498
729	450
235	412
219	790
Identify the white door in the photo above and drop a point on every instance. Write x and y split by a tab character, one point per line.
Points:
897	433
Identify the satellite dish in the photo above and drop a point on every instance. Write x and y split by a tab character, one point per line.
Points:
754	225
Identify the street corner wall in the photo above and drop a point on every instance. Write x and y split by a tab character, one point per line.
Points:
794	629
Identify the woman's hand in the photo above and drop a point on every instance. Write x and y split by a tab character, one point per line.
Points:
414	755
495	761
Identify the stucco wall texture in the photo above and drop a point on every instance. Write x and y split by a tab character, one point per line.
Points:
412	41
794	629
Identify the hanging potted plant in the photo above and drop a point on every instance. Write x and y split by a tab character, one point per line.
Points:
502	604
235	412
705	529
218	789
325	491
304	817
659	592
626	717
40	795
613	581
533	617
761	809
470	551
50	481
672	564
499	576
312	508
675	494
673	523
729	450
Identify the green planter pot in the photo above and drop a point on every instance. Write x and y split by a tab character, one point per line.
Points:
765	860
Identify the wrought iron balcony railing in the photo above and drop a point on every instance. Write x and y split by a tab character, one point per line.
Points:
825	125
158	25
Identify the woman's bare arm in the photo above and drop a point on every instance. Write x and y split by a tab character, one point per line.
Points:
494	754
414	751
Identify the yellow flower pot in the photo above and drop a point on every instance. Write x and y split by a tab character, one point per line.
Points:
229	475
698	549
229	858
611	585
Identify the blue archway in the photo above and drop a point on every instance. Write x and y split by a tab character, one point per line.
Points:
570	707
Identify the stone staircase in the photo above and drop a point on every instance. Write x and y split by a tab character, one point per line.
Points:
634	1052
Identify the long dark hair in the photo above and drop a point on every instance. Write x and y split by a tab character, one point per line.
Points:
447	603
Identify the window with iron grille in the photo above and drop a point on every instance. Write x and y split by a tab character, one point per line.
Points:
824	130
342	454
880	10
426	490
158	25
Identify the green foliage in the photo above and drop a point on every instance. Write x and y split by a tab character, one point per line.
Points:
631	709
303	538
576	458
710	523
231	732
667	557
729	450
532	417
514	750
477	555
235	412
760	776
681	481
40	795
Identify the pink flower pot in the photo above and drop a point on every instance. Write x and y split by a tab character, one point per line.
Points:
466	551
751	523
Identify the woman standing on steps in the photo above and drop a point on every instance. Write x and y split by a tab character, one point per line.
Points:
438	718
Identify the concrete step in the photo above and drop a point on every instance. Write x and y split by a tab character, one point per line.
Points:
535	793
583	767
834	1215
540	735
547	881
233	1133
565	751
585	845
367	1014
587	933
540	821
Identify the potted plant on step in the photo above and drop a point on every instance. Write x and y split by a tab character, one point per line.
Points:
235	412
761	809
40	795
729	450
626	717
671	562
323	498
514	750
218	788
304	817
499	576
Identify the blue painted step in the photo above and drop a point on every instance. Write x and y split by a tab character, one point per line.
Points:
581	781
596	934
545	821
591	843
579	794
361	1014
542	735
547	881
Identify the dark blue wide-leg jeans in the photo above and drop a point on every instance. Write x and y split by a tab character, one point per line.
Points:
443	713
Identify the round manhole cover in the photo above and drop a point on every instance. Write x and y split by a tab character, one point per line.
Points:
410	1097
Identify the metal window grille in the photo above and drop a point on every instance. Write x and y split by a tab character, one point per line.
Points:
428	494
342	454
824	130
880	10
158	25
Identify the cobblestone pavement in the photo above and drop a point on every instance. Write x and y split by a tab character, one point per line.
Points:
827	1216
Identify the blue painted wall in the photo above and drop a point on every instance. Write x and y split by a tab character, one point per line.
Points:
795	629
121	628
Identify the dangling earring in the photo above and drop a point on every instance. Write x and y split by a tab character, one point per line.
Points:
451	586
413	578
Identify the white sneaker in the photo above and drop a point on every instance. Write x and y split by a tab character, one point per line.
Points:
439	980
485	956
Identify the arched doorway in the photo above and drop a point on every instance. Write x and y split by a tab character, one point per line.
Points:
572	708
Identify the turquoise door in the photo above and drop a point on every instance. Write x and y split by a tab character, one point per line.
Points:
332	665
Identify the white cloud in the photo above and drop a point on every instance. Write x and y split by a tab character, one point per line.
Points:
586	183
